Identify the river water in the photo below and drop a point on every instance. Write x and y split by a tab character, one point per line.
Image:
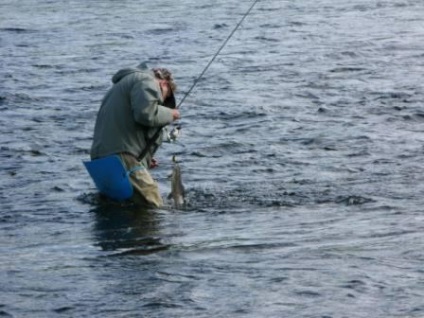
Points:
301	152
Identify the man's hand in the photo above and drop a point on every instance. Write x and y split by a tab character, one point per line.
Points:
154	163
175	114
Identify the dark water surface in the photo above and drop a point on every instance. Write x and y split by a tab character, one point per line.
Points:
301	150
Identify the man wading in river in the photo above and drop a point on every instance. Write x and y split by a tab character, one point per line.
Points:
130	124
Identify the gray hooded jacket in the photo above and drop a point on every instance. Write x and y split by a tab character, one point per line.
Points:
130	114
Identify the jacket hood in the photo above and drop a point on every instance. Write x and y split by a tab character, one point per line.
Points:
170	102
126	71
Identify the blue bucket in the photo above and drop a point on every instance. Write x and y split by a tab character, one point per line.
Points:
110	177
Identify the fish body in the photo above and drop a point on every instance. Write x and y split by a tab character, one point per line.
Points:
177	187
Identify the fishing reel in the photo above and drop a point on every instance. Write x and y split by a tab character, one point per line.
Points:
174	133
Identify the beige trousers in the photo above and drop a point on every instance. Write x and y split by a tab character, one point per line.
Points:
146	190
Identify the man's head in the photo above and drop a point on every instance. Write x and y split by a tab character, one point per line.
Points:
167	86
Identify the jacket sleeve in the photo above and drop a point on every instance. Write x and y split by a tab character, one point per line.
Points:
145	105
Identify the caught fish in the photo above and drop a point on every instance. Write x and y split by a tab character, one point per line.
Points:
177	189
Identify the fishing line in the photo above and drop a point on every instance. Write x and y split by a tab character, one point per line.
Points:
217	53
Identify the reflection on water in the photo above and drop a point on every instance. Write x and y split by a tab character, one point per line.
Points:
127	229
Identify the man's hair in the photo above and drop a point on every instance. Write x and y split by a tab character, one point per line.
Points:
165	74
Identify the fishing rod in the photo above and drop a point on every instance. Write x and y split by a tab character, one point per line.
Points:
217	53
176	129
